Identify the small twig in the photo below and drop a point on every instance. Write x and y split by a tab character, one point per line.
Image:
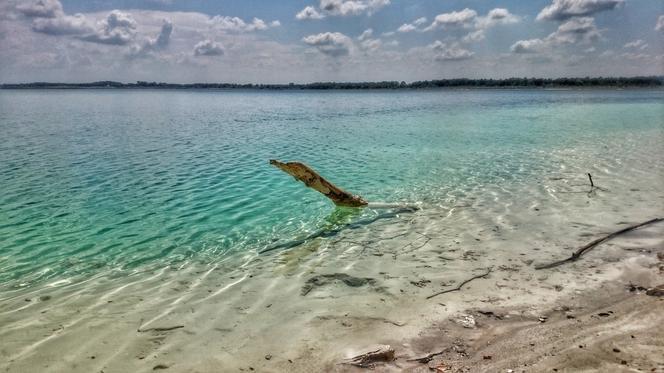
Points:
428	358
593	187
461	284
596	242
158	329
413	248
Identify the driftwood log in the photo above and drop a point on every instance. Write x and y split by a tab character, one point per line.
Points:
313	180
577	254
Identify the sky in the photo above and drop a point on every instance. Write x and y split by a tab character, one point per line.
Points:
268	41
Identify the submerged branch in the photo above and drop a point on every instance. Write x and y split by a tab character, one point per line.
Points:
596	242
331	232
461	284
158	329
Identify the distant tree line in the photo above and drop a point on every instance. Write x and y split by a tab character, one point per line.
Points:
639	81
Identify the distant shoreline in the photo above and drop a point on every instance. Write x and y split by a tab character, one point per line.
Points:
535	83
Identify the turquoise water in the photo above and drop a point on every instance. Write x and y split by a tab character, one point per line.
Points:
119	181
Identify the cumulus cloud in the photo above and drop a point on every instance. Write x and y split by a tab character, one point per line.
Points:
469	19
463	18
420	21
41	9
352	7
527	46
334	44
660	23
408	27
497	16
309	12
160	42
367	43
576	30
449	52
561	10
63	25
208	47
636	44
474	36
117	29
236	24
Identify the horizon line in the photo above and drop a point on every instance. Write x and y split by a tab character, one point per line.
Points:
587	81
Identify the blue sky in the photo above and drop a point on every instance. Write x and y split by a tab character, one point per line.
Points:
324	40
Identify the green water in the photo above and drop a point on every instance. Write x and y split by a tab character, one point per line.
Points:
119	181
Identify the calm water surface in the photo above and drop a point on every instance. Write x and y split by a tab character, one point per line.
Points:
120	181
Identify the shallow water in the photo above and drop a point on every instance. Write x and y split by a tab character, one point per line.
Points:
120	182
123	211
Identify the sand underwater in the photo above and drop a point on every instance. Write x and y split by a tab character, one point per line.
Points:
311	306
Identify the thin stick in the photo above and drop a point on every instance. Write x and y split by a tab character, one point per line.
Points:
429	357
164	329
596	242
592	185
461	284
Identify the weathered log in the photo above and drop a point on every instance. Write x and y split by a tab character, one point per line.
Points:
596	242
313	180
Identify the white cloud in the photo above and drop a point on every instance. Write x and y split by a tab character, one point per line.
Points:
333	44
309	12
208	48
528	46
463	18
660	23
474	36
406	27
352	7
366	34
160	42
236	24
497	16
63	25
576	30
469	19
449	52
420	21
41	8
117	29
371	45
636	44
561	10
